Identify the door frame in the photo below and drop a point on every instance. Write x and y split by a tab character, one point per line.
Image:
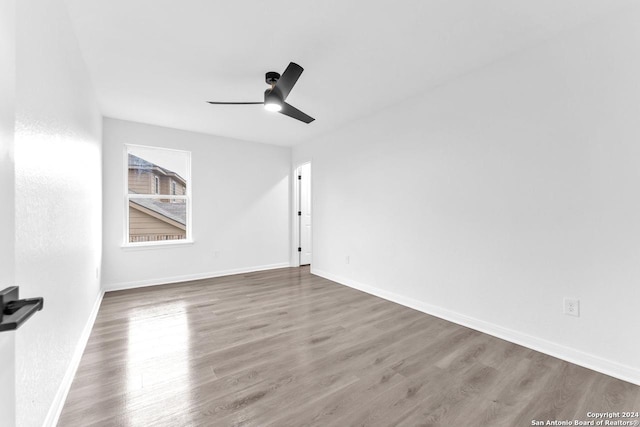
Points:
8	383
295	206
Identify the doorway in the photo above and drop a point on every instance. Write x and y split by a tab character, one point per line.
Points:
304	213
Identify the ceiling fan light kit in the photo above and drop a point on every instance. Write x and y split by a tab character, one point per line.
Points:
275	96
271	101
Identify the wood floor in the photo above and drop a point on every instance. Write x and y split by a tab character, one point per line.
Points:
286	348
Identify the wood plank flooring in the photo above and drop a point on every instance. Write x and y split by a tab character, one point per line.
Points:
287	348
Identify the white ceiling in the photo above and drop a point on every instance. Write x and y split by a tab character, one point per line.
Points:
158	61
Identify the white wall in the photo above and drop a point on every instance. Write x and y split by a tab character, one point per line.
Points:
491	198
240	208
7	270
57	205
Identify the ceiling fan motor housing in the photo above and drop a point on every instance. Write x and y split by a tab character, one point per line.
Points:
272	97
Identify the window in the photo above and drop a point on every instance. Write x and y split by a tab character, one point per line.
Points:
156	213
173	192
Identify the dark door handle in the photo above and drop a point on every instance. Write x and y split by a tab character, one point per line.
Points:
14	311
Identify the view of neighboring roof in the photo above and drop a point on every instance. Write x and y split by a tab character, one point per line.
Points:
173	211
138	163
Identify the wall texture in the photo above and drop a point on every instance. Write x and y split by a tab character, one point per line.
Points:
57	203
240	208
490	199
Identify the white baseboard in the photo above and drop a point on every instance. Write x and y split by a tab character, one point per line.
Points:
188	277
61	396
590	361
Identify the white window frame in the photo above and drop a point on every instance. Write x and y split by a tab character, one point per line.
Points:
187	196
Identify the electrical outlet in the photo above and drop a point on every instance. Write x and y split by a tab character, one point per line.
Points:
572	307
346	259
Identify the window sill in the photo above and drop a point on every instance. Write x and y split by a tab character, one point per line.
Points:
155	245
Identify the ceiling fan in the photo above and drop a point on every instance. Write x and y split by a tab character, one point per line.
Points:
275	96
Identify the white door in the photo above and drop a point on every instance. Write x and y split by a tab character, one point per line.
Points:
7	274
304	213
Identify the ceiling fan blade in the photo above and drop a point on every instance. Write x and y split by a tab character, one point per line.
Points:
234	103
291	111
288	79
